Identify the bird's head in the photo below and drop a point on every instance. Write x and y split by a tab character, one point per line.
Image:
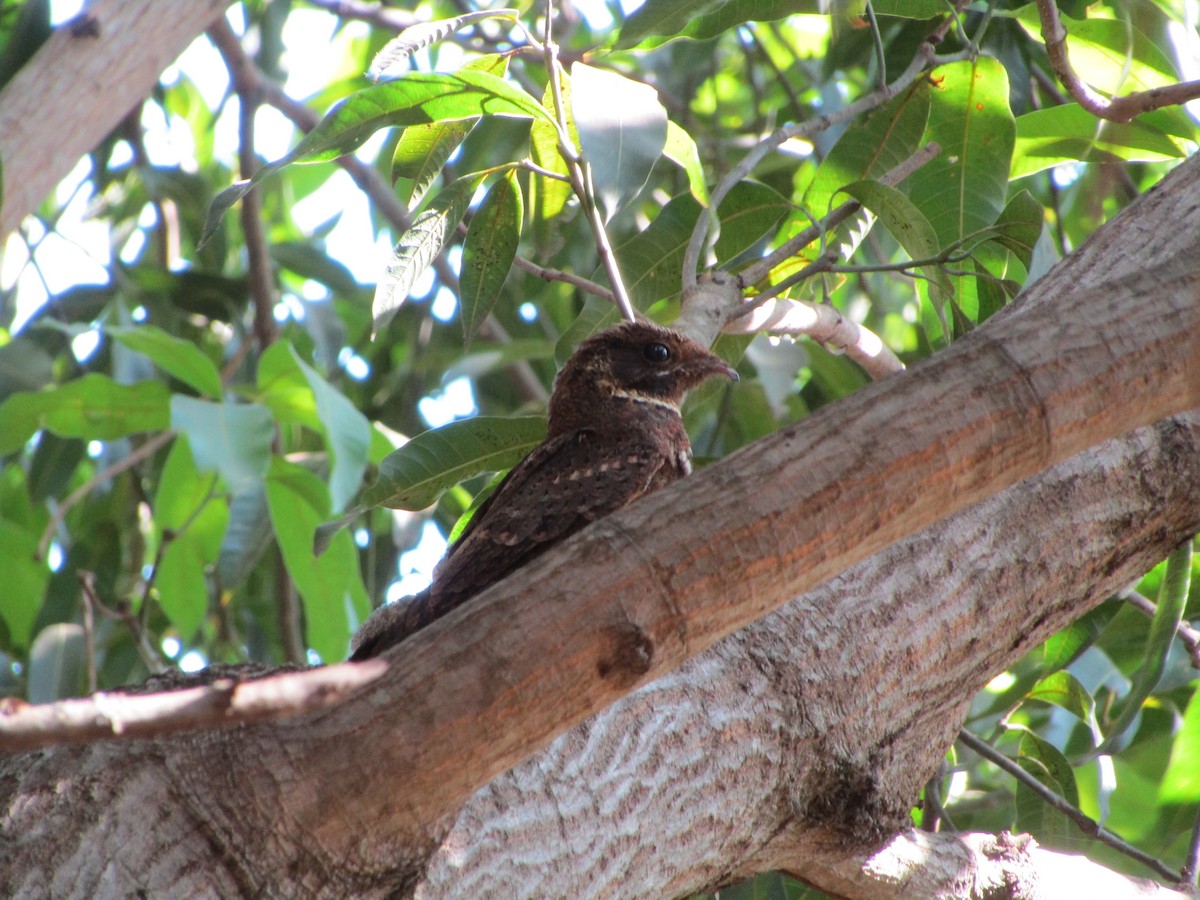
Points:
637	361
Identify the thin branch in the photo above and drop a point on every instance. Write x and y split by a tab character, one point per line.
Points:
247	86
224	702
124	615
759	269
72	499
581	175
1117	109
821	322
1191	866
1086	824
808	128
877	40
1188	635
547	274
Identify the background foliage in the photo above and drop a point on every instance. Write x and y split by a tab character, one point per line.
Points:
178	427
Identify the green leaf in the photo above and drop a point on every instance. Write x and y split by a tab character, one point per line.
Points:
232	438
869	148
682	151
661	17
1065	647
57	664
965	187
910	9
548	197
1168	613
1110	54
330	587
420	245
422	152
415	475
418	37
1069	133
488	252
1046	763
93	407
247	536
1063	690
347	434
173	355
25	581
622	131
1020	226
1181	782
416	98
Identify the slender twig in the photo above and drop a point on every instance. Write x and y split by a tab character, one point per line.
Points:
822	322
72	499
1191	866
1117	109
124	615
1188	635
808	128
877	40
247	86
760	268
580	175
224	702
1086	824
547	274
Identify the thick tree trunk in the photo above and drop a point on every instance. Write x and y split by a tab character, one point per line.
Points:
799	742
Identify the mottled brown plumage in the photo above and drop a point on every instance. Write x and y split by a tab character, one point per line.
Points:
615	433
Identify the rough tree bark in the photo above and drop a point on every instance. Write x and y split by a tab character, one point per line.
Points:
796	743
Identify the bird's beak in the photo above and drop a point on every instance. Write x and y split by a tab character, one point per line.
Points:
720	367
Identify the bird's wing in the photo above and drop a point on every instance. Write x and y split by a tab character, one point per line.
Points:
564	484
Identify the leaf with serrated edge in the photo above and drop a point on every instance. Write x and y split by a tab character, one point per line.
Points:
424	34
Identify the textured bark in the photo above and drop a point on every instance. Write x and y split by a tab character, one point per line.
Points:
80	84
794	743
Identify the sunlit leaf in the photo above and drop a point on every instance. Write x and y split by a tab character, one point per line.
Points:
1069	133
622	130
1063	690
422	152
682	151
25	580
965	187
1181	782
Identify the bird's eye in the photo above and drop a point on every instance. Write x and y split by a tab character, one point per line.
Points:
656	352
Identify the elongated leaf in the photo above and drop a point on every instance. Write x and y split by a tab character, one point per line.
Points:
420	245
57	664
867	149
1064	690
177	357
232	438
622	131
330	587
93	407
1111	54
414	99
415	475
423	150
1020	226
488	252
1181	782
247	536
682	151
418	37
549	196
661	17
1069	133
1046	763
965	187
347	434
25	581
1172	600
